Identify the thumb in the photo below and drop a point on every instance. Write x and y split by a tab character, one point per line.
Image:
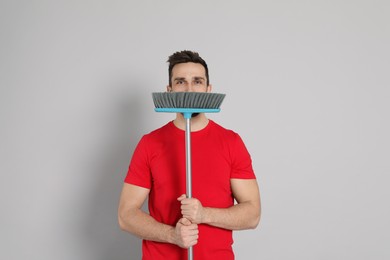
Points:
185	222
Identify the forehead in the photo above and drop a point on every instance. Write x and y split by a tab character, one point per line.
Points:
188	69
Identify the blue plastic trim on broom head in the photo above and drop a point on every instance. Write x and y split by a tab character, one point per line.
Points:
187	112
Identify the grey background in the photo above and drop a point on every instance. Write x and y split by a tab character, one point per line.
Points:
307	86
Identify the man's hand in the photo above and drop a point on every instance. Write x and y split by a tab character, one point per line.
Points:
191	209
186	233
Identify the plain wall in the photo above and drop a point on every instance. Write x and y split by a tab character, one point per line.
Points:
307	86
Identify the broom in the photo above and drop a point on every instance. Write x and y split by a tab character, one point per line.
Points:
188	103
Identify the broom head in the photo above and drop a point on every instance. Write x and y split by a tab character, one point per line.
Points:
191	100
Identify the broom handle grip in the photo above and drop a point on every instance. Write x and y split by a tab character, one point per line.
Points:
189	171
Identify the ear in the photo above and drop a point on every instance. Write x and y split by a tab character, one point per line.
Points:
209	88
169	88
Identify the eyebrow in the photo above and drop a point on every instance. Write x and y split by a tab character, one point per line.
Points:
198	78
179	78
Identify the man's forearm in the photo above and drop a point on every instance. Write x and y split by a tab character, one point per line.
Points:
146	227
241	216
244	215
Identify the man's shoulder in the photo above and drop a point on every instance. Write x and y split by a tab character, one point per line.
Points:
157	133
223	130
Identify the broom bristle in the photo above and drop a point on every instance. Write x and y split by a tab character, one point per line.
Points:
187	100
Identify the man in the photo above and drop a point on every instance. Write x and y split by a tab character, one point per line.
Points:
222	172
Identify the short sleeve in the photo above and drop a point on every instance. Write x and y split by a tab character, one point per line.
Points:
139	172
241	161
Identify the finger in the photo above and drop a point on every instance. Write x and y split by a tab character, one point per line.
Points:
193	237
182	197
187	215
191	201
191	243
185	207
188	200
191	234
194	227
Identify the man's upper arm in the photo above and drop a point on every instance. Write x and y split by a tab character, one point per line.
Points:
132	197
246	190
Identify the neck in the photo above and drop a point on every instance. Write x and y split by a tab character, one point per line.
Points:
197	123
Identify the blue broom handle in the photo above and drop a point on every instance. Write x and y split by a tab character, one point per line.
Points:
188	170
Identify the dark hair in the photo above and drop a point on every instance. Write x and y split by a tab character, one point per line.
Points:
184	57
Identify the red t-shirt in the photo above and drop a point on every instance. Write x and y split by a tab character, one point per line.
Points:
159	164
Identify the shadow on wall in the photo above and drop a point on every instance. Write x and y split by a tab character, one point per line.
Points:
106	240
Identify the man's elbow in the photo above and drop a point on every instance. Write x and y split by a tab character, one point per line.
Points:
124	220
255	220
121	222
